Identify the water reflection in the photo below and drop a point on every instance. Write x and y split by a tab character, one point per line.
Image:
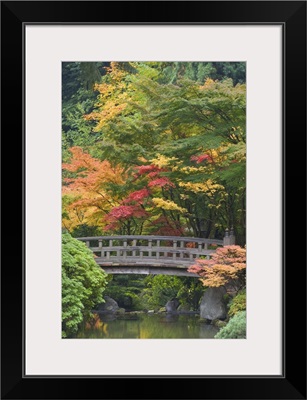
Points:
146	326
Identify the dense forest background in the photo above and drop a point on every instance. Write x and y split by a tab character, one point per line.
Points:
154	148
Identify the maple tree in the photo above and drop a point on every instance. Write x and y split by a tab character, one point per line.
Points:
190	137
180	141
226	267
87	189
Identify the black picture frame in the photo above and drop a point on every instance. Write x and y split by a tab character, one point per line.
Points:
292	16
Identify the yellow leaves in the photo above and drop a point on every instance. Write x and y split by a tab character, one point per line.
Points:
113	97
206	187
176	167
209	84
214	153
74	213
167	205
189	170
162	161
110	110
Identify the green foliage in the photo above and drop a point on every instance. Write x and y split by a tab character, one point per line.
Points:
78	99
200	71
139	292
126	291
161	288
238	303
235	329
83	283
84	230
76	75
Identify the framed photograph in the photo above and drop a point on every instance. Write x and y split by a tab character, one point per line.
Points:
162	149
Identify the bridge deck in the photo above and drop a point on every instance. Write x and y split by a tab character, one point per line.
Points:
168	255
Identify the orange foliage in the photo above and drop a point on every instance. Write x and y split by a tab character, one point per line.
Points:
227	265
86	193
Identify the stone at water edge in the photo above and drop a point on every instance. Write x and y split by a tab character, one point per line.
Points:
213	305
218	323
184	308
172	305
109	306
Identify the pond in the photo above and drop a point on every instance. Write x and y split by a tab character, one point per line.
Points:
146	326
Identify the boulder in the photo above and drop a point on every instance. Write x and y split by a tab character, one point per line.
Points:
184	308
120	311
172	305
218	323
110	305
213	305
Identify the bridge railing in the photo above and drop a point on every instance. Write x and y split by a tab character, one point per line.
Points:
130	248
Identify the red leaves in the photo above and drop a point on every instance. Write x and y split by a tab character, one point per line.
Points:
145	169
200	158
160	182
227	264
153	173
196	269
137	196
124	212
165	227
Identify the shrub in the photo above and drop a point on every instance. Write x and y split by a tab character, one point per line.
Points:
235	329
83	283
237	304
226	266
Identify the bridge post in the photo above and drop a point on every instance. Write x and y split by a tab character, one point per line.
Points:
125	251
174	247
158	252
134	244
100	246
150	246
108	252
181	247
229	238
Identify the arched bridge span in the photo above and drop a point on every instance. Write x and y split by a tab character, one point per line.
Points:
138	254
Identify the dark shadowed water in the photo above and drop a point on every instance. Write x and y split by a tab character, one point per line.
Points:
146	326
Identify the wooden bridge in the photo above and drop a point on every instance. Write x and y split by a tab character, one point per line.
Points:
165	255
